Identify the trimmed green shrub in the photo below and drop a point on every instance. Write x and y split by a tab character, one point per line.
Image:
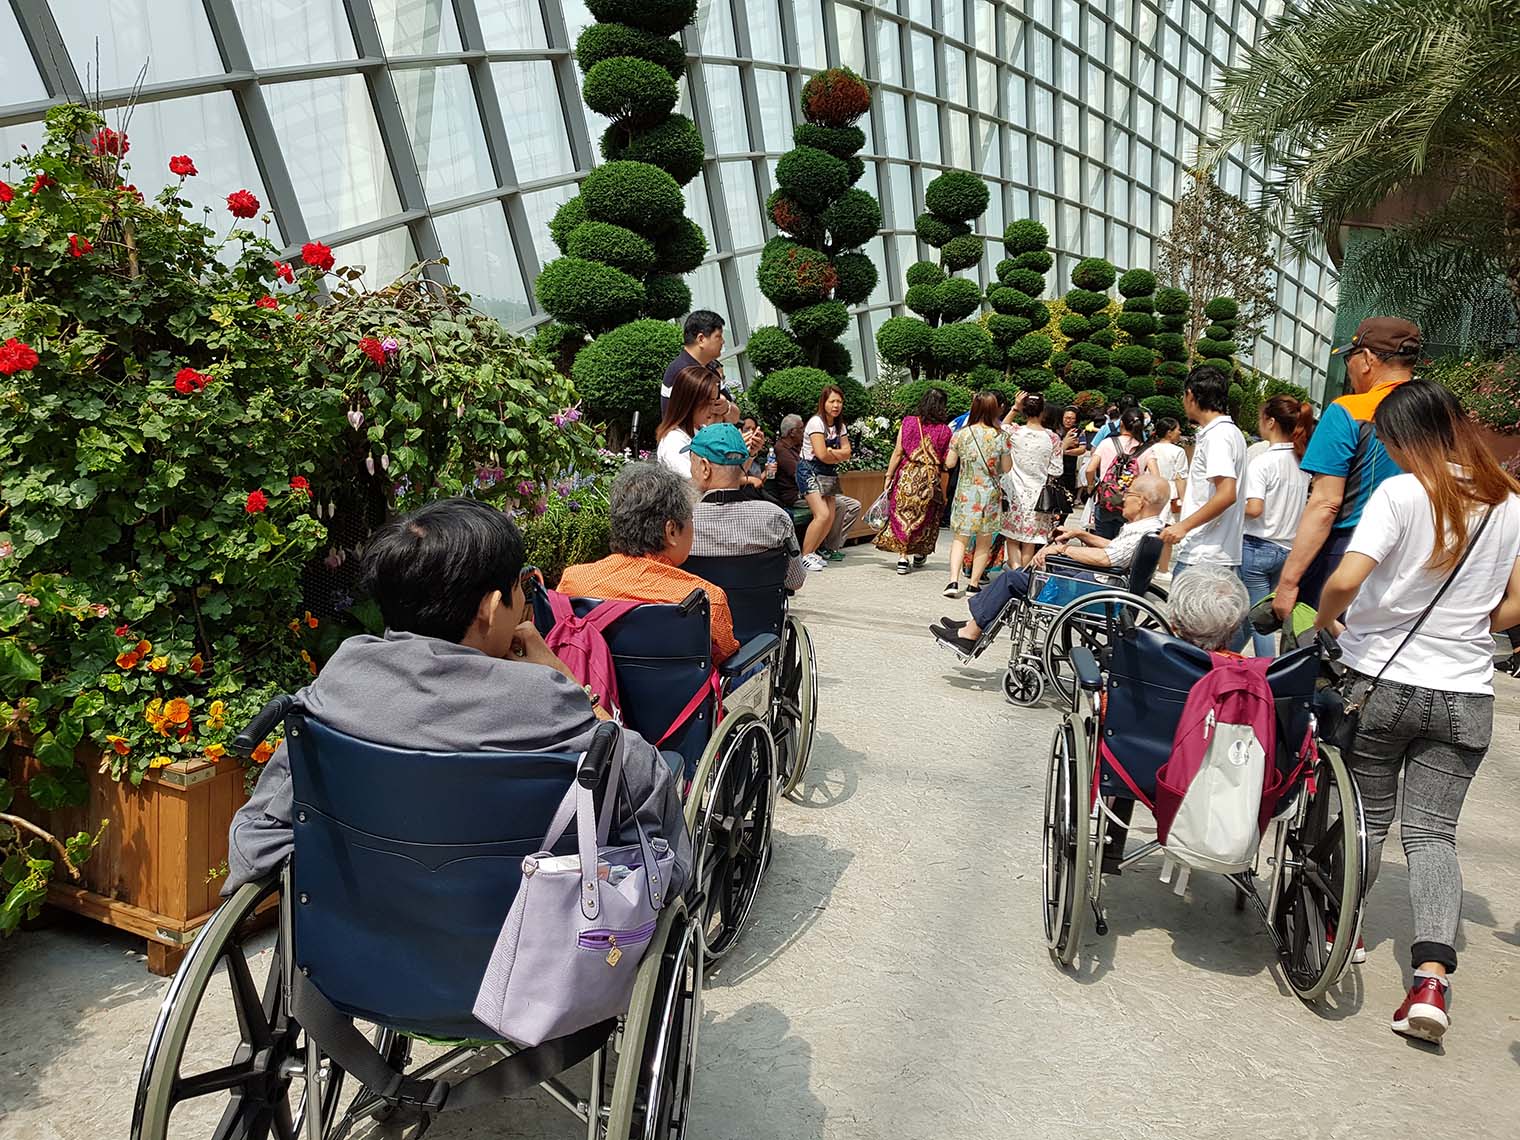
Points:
935	231
659	17
1171	346
1222	309
1137	283
961	346
923	300
841	142
633	194
770	350
1075	326
1172	302
852	220
1039	380
957	196
604	41
1099	321
1085	301
558	343
835	98
857	278
905	340
1146	304
924	273
1175	368
1025	281
909	396
958	298
619	372
1094	354
674	145
796	276
1030	350
811	177
565	219
1025	236
1012	302
1160	406
1136	325
681	248
1134	359
1093	273
614	245
1039	314
1089	403
1141	387
1035	260
1081	371
1059	360
788	214
1059	393
857	168
1113	376
1275	387
1237	398
823	321
630	90
961	252
666	297
1004	330
796	391
588	293
1218	332
835	359
1216	349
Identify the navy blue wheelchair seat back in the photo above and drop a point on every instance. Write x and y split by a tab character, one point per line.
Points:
1142	567
662	655
405	866
1147	678
756	589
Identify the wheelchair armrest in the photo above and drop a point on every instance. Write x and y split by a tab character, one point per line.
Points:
1089	679
750	654
1056	564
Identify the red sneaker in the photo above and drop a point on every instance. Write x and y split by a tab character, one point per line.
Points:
1358	952
1423	1014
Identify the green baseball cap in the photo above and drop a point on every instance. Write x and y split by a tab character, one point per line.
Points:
722	444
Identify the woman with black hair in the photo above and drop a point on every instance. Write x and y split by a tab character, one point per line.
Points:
1123	448
915	497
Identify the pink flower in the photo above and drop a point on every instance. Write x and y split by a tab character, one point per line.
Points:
6	550
356	419
99	610
390	346
28	600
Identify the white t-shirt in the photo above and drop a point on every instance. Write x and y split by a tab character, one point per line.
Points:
670	452
1453	651
1219	452
1273	477
831	436
1170	462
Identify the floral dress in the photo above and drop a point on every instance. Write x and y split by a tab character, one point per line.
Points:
977	509
1036	458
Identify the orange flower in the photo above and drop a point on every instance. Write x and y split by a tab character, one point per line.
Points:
295	625
153	714
197	665
263	752
128	660
216	714
177	711
311	621
215	752
119	743
144	648
310	664
161	761
159	664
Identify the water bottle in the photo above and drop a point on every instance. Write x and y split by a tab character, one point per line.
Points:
770	457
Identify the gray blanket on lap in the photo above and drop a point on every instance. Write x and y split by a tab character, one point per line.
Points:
416	692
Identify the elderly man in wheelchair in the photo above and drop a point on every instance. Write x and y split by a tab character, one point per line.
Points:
389	834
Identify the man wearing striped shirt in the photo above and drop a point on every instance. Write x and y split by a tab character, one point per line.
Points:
731	519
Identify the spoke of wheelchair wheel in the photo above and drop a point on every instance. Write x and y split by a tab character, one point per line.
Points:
228	1077
238	1123
252	1020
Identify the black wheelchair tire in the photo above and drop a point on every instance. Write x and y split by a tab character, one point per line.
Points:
794	716
1073	626
667	1069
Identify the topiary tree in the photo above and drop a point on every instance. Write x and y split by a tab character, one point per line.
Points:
1018	313
619	372
1170	342
1137	321
1217	344
1089	332
815	271
944	342
907	397
796	390
1159	406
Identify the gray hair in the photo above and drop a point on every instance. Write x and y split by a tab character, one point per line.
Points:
1156	491
790	424
644	497
1208	606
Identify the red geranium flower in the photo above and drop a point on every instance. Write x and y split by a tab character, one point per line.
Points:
283	271
107	141
6	194
130	189
317	255
188	380
299	483
79	246
256	503
123	631
41	183
182	165
371	348
267	302
16	357
242	204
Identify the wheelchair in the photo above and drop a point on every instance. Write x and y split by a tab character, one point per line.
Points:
1070	604
662	654
404	866
1105	756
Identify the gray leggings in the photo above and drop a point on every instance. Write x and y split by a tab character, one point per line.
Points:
1438	738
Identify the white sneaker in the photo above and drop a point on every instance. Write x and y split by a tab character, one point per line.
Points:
813	562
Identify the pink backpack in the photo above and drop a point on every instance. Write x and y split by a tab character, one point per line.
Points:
1216	792
580	642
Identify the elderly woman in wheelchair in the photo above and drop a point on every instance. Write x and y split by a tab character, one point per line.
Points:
1111	752
389	834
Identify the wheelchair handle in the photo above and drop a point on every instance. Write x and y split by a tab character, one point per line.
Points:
693	601
1329	648
261	726
599	755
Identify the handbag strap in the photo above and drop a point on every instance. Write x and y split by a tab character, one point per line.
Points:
1435	601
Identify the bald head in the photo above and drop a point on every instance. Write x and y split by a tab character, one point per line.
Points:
1151	495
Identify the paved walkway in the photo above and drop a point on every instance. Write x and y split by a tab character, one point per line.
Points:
894	984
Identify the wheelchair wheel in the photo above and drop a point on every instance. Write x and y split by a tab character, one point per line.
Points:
1065	854
259	1093
731	828
667	1069
795	712
1321	857
1089	620
1024	684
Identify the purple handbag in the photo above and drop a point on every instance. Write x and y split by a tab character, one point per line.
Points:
569	952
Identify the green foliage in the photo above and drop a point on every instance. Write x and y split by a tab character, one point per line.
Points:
771	349
1170	345
1134	359
666	297
852	220
1145	304
1237	401
1113	376
558	343
1137	283
604	41
841	142
1141	387
924	273
811	177
673	144
1035	379
789	216
589	294
1159	406
923	300
613	245
961	346
1215	349
835	359
1038	314
957	196
935	231
1075	325
1011	302
790	391
1025	236
681	248
1172	301
905	341
1222	309
1025	281
1090	352
857	278
1035	260
1004	330
573	529
633	194
1275	387
1094	274
1030	350
823	321
619	372
958	298
1217	332
1085	302
909	396
658	17
1059	393
961	252
1136	325
566	219
794	276
630	90
1489	387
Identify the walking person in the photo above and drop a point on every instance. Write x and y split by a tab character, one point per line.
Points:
825	445
915	496
1035	457
1431	571
702	334
1121	446
696	400
1212	511
980	450
1165	459
1275	493
1072	450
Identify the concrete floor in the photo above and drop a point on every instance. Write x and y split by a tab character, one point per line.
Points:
894	983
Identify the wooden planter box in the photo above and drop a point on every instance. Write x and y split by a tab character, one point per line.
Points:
158	867
863	486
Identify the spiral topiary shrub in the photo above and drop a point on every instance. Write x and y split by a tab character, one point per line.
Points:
791	391
841	142
905	341
852	220
935	231
958	298
673	144
824	321
1025	236
1025	281
598	42
957	196
812	178
565	220
1029	351
1217	345
1222	309
666	297
924	273
1060	393
961	346
1137	283
923	300
1211	349
909	396
835	98
795	277
633	194
1173	302
681	248
658	17
1160	406
771	350
1094	273
619	372
632	91
621	248
589	294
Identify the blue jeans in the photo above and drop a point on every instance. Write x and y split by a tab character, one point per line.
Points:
1261	564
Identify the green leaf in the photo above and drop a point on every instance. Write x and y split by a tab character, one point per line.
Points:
52	751
64	787
17	664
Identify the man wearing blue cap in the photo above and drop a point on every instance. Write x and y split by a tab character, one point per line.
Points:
731	519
